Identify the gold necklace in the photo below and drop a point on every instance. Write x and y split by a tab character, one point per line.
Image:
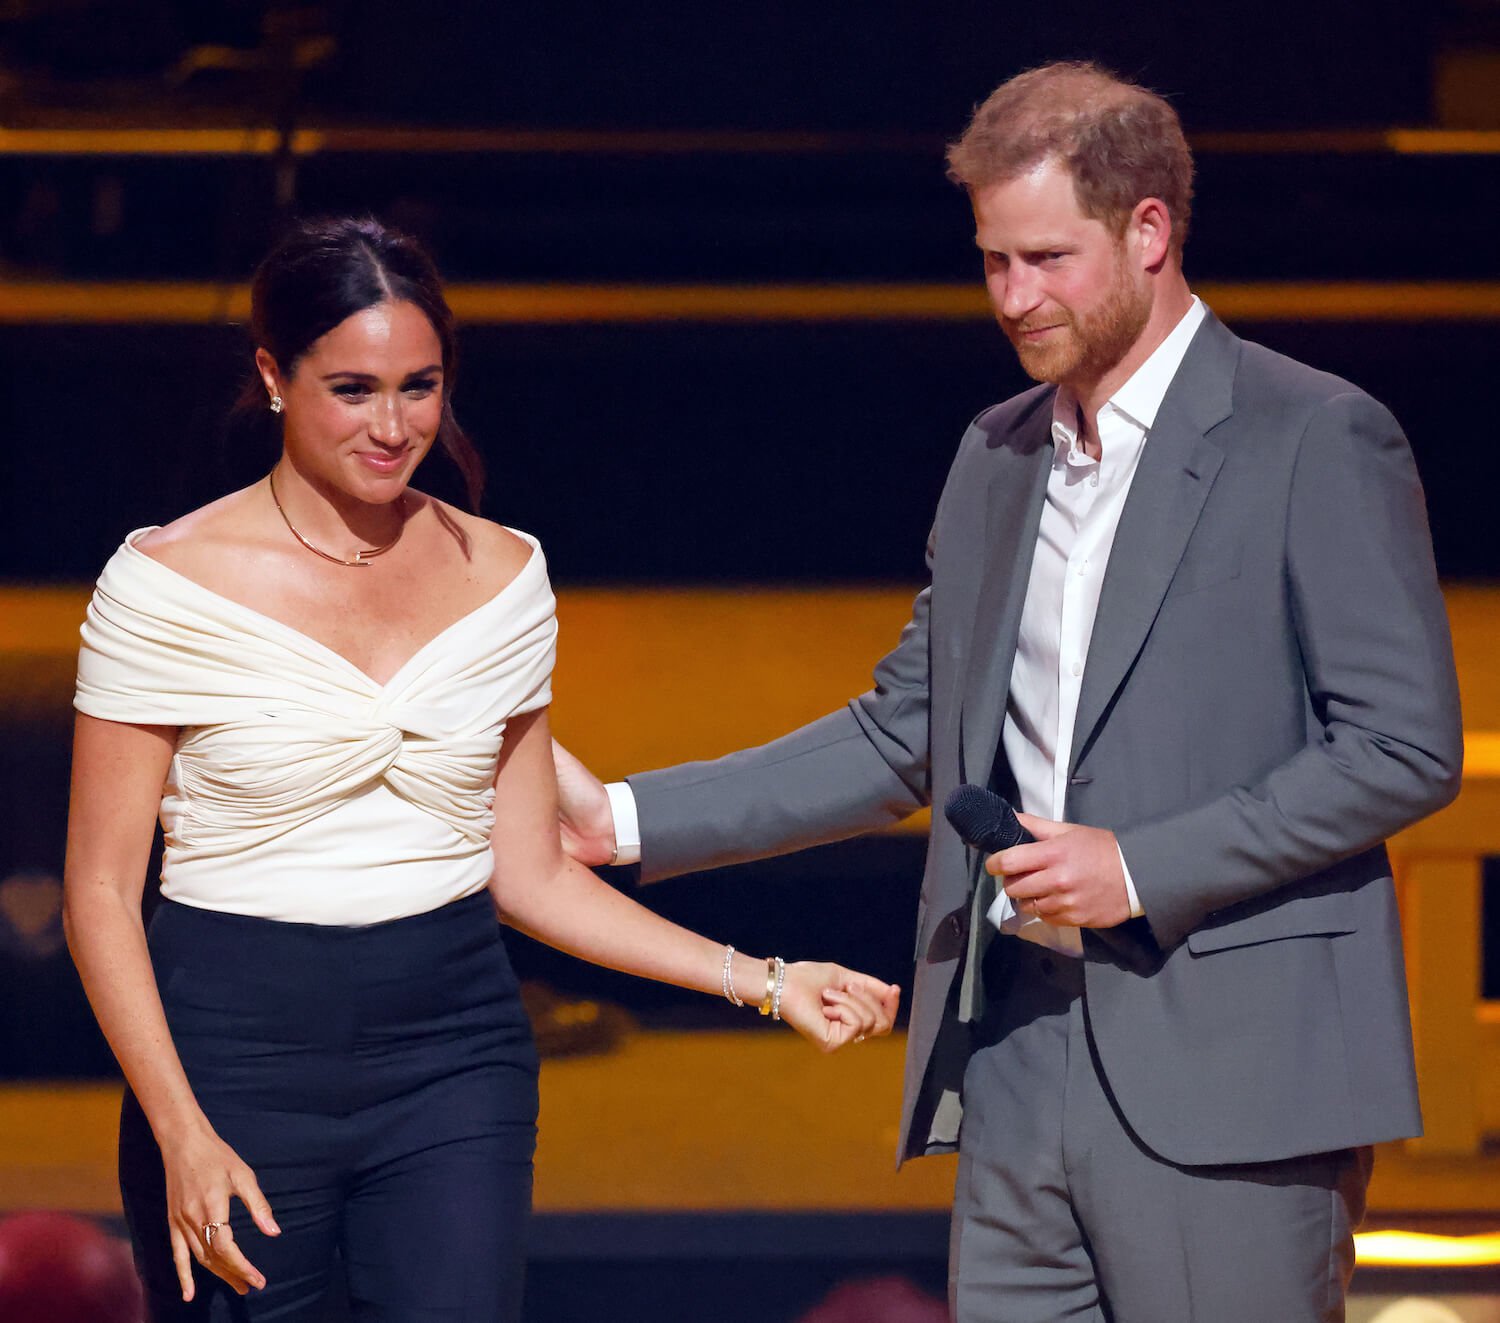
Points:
360	558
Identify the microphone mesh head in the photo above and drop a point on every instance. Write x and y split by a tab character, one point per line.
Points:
974	812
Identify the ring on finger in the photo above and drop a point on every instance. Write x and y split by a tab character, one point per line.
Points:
859	1038
208	1234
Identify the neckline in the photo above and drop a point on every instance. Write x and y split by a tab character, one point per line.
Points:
306	640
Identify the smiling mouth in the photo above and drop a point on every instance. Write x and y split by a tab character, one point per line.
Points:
384	459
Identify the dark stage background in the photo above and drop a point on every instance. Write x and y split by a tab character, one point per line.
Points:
717	143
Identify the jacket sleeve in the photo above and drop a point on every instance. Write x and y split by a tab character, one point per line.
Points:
855	770
1385	744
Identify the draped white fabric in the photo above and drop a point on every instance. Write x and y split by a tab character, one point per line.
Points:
279	731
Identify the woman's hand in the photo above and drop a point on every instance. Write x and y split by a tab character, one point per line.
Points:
831	1006
202	1172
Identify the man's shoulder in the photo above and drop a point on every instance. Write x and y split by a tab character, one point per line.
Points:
1283	400
1021	423
999	420
1022	420
1268	373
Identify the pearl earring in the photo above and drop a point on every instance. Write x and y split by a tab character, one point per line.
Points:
276	404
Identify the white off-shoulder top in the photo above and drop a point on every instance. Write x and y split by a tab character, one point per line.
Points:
301	789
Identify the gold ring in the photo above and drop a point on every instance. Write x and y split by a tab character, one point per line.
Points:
208	1234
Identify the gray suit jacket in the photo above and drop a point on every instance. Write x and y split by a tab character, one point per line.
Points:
1269	694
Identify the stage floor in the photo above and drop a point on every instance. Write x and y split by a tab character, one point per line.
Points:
686	1167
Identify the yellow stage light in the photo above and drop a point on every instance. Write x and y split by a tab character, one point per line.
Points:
1412	1249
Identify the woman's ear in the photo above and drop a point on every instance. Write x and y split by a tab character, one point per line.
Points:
269	373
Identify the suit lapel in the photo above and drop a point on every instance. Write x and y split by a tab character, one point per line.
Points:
1177	469
1013	513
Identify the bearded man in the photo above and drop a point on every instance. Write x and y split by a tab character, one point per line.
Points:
1183	611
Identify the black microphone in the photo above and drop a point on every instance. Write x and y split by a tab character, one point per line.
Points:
983	820
987	822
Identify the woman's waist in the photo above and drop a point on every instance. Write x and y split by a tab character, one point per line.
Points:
318	890
242	994
231	947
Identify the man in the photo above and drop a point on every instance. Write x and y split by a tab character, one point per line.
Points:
1183	610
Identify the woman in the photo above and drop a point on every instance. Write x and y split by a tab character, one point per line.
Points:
333	689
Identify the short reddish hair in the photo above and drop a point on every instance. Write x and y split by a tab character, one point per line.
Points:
1119	141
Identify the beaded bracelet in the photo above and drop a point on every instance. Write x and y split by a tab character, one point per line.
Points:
727	980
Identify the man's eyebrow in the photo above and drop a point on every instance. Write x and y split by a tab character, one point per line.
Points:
1050	246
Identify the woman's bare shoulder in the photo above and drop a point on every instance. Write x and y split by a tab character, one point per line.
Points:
494	552
201	541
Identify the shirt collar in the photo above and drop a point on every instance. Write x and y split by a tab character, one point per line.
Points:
1140	397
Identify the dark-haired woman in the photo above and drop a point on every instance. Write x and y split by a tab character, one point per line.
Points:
333	690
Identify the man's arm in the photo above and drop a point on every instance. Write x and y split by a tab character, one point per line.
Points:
1376	652
855	770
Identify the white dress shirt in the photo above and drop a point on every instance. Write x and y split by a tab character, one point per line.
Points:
1083	504
1085	498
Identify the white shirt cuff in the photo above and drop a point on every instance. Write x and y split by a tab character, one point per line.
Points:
1136	909
628	825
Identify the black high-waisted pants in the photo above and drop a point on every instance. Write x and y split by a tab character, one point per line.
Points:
380	1082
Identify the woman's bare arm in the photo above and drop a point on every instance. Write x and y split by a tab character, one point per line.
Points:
549	896
118	772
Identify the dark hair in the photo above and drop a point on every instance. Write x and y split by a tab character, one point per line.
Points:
1120	142
323	272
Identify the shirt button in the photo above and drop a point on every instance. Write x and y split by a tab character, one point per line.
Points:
1077	668
1094	481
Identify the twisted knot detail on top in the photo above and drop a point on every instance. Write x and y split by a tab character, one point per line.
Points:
277	729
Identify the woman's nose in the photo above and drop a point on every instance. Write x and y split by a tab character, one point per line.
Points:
388	426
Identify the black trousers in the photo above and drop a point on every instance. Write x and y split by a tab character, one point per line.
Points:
381	1083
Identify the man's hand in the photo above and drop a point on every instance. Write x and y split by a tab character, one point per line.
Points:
1068	875
583	812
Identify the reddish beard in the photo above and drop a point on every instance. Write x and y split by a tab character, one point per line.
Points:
1085	345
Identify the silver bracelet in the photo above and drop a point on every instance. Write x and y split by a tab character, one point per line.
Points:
780	983
727	980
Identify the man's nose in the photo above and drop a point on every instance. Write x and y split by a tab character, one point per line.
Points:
1020	294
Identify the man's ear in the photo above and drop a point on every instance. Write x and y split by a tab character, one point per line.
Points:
1150	227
